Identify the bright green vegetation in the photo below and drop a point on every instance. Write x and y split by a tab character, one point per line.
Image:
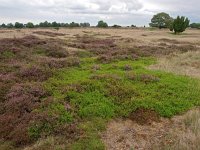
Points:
99	93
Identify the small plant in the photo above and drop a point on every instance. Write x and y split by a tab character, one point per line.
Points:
105	58
58	63
7	55
127	68
96	67
56	28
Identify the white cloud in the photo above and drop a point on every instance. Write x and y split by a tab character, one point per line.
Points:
115	11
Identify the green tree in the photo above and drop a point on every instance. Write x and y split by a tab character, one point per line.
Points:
9	25
19	25
102	24
55	24
73	24
3	25
30	25
85	24
116	26
65	24
45	24
161	20
195	25
180	24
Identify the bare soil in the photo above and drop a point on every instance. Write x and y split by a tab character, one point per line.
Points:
144	116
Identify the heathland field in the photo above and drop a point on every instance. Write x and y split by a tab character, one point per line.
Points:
96	89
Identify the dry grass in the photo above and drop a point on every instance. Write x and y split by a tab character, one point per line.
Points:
185	134
46	33
50	143
150	35
184	64
178	133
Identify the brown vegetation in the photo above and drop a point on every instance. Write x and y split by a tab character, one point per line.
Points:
144	116
20	101
25	63
178	133
47	33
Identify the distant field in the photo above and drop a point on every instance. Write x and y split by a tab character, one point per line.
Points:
95	89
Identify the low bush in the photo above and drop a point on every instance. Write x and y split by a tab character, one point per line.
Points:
127	68
21	100
105	58
121	92
34	73
51	34
93	104
55	51
60	62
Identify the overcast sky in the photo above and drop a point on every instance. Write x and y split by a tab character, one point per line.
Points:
123	12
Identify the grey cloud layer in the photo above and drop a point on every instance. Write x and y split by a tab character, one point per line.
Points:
113	11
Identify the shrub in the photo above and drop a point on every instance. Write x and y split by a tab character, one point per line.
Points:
105	58
6	82
21	100
120	91
96	67
35	73
24	95
93	104
180	24
127	68
146	78
56	51
131	76
61	62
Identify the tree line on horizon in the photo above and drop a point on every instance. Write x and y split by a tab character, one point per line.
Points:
44	24
160	20
54	24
